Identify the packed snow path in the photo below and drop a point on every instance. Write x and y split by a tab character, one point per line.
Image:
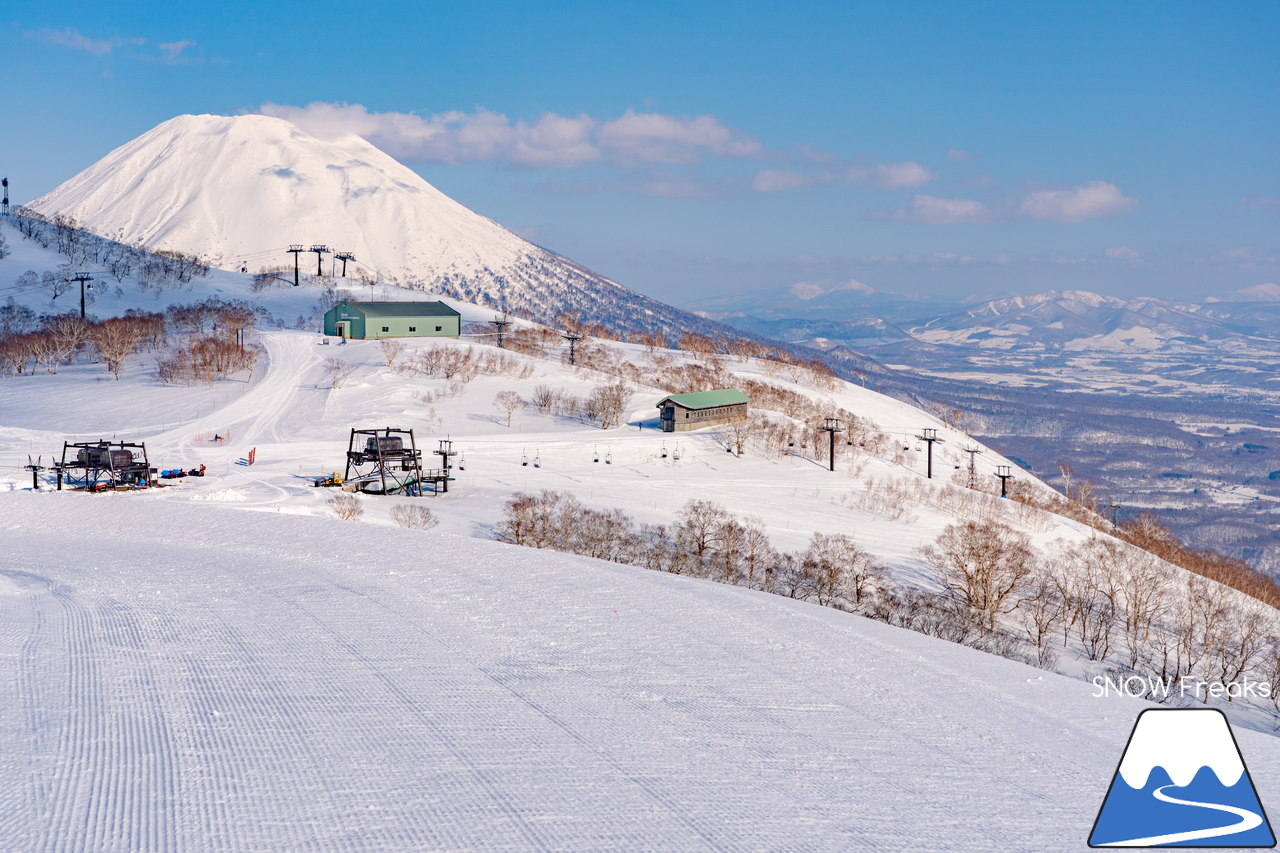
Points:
182	678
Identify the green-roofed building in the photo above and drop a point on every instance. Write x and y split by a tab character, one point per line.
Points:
683	412
372	320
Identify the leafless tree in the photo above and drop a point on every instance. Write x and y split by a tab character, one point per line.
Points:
1040	612
414	516
984	565
115	340
391	350
338	371
347	507
699	530
839	571
544	399
509	402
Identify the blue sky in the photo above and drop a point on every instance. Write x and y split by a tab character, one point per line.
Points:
700	148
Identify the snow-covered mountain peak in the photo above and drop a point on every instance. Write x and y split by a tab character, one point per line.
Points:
239	190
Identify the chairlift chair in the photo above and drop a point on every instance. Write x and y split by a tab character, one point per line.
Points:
524	460
595	455
462	462
537	461
608	457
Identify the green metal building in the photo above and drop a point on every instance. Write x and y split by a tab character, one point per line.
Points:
683	412
373	320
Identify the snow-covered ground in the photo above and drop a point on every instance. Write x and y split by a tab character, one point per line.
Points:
223	665
192	678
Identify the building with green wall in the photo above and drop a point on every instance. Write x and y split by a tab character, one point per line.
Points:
373	320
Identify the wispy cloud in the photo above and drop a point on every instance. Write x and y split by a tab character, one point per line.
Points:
905	175
71	37
173	49
929	210
553	141
1077	204
647	138
1269	205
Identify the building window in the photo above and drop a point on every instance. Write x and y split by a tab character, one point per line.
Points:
413	328
439	328
386	328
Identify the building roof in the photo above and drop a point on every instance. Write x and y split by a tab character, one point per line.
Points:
707	399
401	309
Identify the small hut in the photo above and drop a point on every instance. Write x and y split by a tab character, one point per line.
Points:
683	412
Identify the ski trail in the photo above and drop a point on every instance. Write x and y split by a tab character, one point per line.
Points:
1248	820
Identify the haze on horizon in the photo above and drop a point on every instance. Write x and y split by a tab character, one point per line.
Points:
691	152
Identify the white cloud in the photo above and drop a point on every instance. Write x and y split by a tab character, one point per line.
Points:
653	138
174	48
1078	203
1123	253
908	174
455	137
956	155
775	180
71	37
929	210
553	141
1270	205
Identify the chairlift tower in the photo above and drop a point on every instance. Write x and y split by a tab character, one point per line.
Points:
4	205
102	465
35	468
832	427
344	257
973	467
444	452
82	277
930	437
573	340
1005	473
320	250
501	323
296	249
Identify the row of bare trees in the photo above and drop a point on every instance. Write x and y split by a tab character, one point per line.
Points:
705	541
59	337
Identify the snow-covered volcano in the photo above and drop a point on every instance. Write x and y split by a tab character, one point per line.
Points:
239	190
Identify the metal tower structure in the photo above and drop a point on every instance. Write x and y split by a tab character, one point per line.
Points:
1005	473
320	250
973	466
931	437
296	249
832	427
344	257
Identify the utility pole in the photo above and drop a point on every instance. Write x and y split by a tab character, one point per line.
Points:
320	251
832	427
973	469
931	437
4	205
501	323
572	339
1004	472
344	257
82	277
295	249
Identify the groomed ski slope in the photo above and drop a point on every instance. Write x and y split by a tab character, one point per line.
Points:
194	678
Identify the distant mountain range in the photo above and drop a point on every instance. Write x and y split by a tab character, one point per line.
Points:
854	315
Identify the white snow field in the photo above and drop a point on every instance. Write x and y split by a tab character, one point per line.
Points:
223	665
193	678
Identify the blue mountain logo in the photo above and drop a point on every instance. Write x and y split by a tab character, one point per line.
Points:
1182	783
